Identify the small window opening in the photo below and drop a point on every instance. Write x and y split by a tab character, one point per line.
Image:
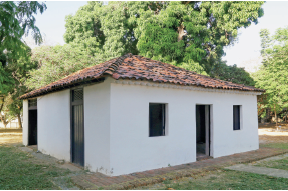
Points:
32	102
236	117
157	119
77	95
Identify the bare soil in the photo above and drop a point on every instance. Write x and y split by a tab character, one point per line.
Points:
270	133
10	136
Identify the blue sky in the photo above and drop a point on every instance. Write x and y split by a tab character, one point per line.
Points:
52	24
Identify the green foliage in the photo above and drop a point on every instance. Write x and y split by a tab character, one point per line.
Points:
193	66
190	35
6	81
16	19
16	71
265	42
181	32
5	118
55	63
273	75
232	74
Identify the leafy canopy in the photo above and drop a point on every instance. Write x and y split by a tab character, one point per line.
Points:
190	35
178	32
16	19
232	74
56	62
273	74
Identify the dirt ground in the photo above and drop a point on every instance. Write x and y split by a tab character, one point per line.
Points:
270	133
10	136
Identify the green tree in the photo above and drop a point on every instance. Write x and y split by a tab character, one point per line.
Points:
190	35
273	74
232	74
6	115
16	19
54	63
18	67
174	32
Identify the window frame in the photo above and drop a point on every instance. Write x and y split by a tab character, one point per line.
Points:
239	118
32	103
165	121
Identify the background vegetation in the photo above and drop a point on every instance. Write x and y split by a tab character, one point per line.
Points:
273	74
191	35
16	20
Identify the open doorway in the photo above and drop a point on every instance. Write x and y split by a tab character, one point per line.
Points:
203	131
32	122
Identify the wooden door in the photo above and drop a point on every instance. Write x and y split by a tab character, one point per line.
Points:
77	127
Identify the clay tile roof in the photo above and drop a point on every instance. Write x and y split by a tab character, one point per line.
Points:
137	67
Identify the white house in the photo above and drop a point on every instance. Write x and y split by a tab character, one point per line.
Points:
133	114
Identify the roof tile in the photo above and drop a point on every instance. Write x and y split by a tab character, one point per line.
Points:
140	68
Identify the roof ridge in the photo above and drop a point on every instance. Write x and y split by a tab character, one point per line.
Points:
138	67
114	66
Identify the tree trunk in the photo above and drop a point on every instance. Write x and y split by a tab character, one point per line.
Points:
19	121
275	115
181	32
5	123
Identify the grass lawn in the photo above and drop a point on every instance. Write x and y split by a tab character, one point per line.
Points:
227	180
278	164
275	145
231	180
19	170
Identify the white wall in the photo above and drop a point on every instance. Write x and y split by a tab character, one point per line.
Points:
54	124
133	150
226	140
116	126
25	123
97	127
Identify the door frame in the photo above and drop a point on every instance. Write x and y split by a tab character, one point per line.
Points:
208	130
71	123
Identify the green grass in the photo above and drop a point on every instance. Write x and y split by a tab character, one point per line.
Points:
278	164
228	180
18	171
275	145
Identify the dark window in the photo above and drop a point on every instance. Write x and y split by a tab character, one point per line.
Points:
156	119
32	102
236	117
77	95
